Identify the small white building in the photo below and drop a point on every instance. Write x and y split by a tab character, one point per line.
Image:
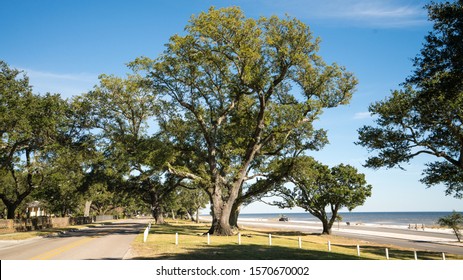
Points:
34	209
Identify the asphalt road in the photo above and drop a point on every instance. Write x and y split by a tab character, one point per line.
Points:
413	239
106	242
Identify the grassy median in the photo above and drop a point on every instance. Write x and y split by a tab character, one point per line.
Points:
193	245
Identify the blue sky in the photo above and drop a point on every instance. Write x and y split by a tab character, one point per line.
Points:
64	45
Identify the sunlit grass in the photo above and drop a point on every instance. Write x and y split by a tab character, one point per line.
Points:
38	233
21	235
193	244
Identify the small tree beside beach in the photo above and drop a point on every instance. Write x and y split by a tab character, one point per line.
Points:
453	221
318	188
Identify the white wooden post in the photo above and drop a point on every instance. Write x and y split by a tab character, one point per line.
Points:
145	234
443	256
269	239
176	238
387	253
329	246
239	238
208	239
358	250
416	256
300	242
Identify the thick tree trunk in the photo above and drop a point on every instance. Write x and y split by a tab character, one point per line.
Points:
328	223
220	217
13	204
156	208
173	214
11	209
158	215
222	205
220	226
323	217
326	227
235	212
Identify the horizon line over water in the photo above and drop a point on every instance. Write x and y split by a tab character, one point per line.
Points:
401	218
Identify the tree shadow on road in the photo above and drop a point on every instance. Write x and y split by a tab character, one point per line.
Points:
99	230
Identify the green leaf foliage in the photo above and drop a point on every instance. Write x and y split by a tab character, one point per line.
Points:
237	92
31	127
426	117
321	190
118	114
453	221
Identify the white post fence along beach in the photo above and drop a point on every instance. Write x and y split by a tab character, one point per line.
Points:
270	239
358	250
239	238
176	238
329	246
387	253
300	242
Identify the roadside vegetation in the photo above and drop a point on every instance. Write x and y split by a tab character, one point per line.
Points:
453	221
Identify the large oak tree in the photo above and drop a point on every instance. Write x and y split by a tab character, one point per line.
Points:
238	92
119	112
30	127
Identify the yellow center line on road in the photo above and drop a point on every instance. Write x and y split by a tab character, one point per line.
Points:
50	254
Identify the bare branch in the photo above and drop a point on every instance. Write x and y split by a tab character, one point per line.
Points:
182	174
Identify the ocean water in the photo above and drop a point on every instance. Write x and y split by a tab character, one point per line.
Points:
379	218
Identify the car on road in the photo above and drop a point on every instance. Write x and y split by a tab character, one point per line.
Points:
283	218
